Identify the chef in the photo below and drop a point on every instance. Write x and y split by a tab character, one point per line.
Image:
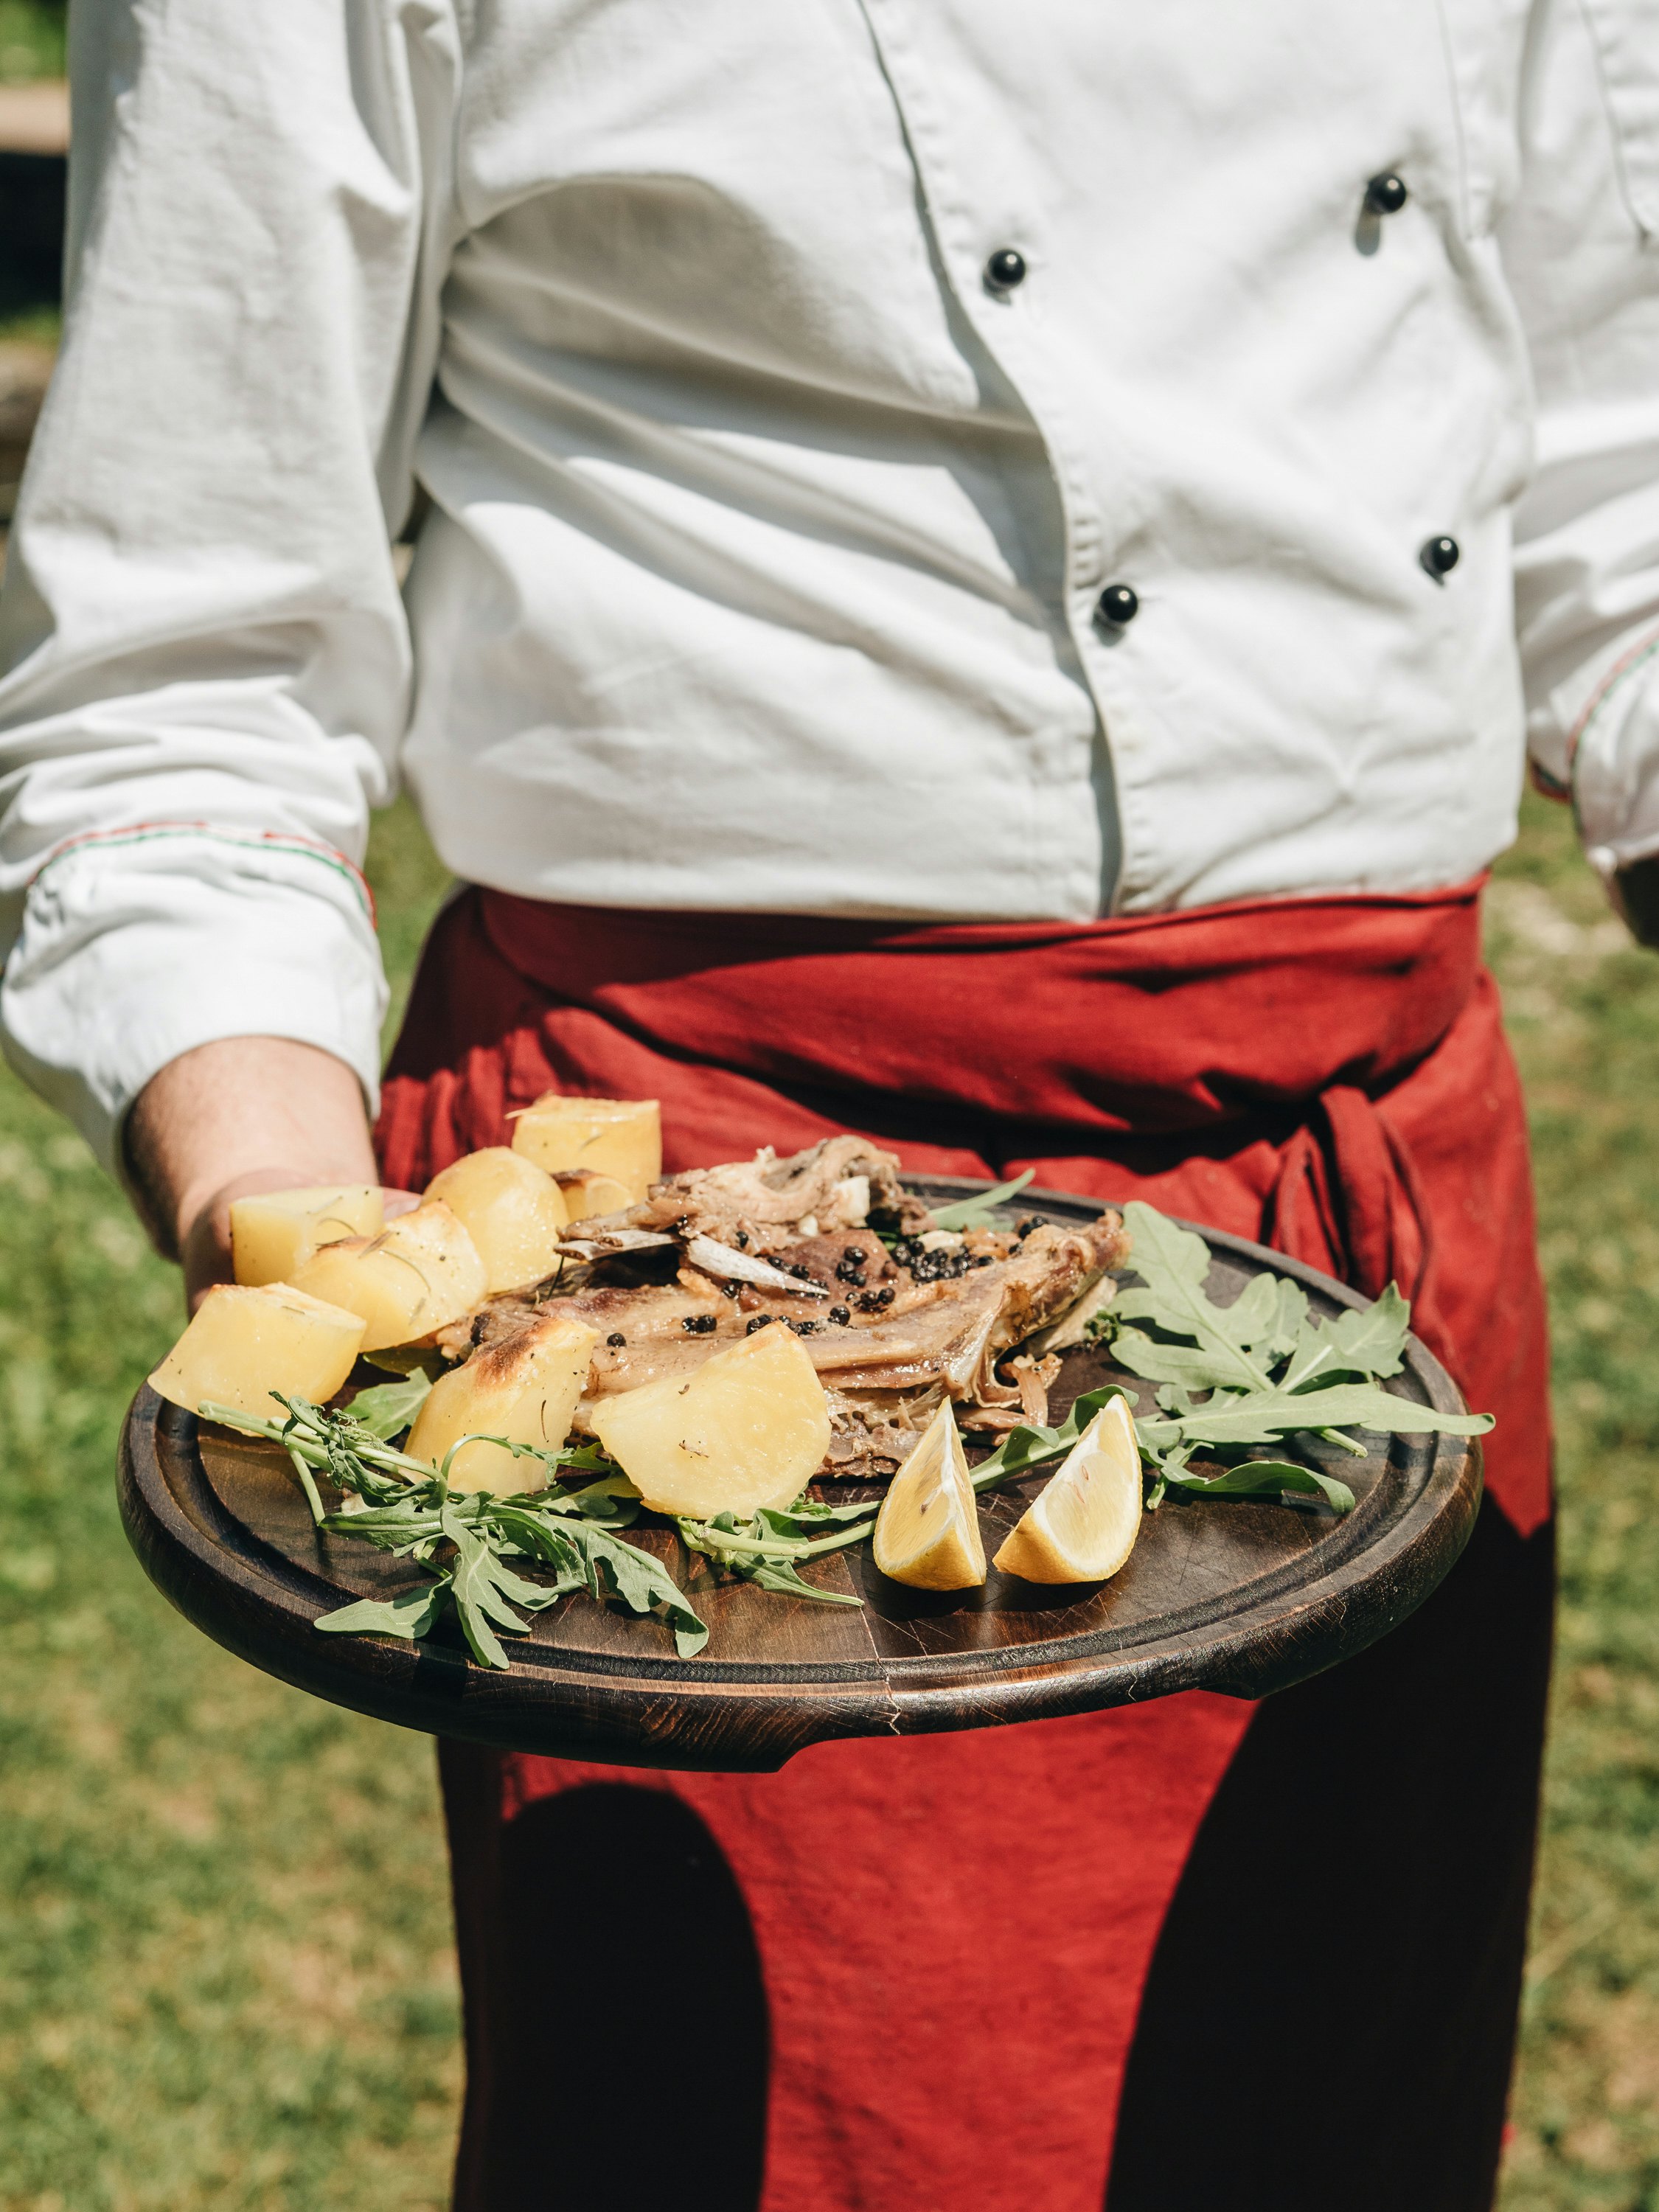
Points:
986	579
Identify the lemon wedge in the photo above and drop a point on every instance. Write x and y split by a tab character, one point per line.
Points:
927	1530
1083	1526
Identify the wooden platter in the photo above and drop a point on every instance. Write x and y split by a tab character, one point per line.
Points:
1242	1595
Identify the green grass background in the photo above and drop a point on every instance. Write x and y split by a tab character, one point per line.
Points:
32	33
225	1977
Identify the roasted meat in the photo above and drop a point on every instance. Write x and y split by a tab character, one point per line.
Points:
893	1330
765	1204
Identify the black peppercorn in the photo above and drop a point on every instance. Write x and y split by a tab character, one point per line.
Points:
856	1254
760	1321
615	1340
698	1324
731	1290
841	1316
805	1328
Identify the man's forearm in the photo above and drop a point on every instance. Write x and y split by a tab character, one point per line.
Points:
243	1114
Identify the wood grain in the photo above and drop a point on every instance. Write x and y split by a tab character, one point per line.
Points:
1244	1596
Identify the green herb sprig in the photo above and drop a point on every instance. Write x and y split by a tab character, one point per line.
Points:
466	1539
1268	1370
768	1549
976	1211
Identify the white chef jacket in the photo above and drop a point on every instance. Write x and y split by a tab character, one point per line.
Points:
769	531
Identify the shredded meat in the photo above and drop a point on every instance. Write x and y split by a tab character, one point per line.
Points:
766	1204
892	1334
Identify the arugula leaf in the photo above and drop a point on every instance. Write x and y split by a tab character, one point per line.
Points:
1030	1445
768	1558
1257	1475
585	1459
1263	1416
781	1575
640	1583
397	1527
411	1615
1254	1318
974	1213
1185	1366
1174	1265
808	1513
389	1407
478	1596
1367	1342
612	1500
610	1568
1292	1315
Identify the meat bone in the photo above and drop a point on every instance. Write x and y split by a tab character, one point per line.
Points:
702	1252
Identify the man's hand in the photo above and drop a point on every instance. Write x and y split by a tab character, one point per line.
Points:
244	1115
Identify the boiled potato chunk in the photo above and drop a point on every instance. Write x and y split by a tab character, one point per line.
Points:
525	1388
586	1197
277	1232
619	1137
748	1428
511	1209
421	1272
927	1531
246	1340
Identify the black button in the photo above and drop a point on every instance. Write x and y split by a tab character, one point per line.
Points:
1117	605
1004	270
1386	195
1440	556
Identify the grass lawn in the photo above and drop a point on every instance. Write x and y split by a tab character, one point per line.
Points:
1583	1011
31	38
225	1979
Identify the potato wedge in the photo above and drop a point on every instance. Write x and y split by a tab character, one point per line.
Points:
748	1428
421	1272
511	1210
247	1340
589	1197
277	1232
619	1137
525	1388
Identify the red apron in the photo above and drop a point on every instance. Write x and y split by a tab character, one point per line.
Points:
984	1971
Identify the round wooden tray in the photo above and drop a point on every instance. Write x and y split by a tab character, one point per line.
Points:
1242	1595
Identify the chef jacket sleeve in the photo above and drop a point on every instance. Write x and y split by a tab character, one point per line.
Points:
1582	246
209	666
